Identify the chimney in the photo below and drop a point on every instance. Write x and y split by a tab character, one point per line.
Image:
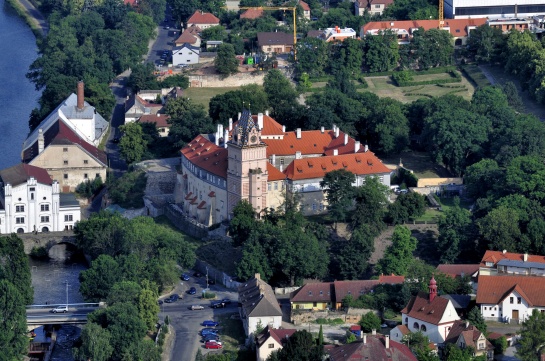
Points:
387	341
81	98
41	141
273	160
337	132
322	129
525	257
260	120
298	133
220	129
257	276
230	124
504	251
335	152
239	115
225	138
158	114
357	146
298	155
283	129
374	332
467	324
366	148
364	338
281	167
345	139
333	128
267	112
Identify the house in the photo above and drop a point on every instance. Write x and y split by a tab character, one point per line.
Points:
461	303
430	314
404	29
275	42
68	158
306	9
30	201
462	270
397	333
189	36
253	13
507	24
510	298
221	168
79	115
185	55
144	102
202	20
493	9
463	334
374	7
496	262
338	34
160	121
269	340
258	306
372	347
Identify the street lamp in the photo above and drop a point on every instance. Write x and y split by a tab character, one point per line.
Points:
66	292
206	277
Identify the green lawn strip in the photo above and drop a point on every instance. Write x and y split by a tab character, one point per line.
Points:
231	332
449	202
203	95
430	215
165	222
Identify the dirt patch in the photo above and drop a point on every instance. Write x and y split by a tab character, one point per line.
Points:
420	163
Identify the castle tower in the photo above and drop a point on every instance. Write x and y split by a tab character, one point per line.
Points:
247	165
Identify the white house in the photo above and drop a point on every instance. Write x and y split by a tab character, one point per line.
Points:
269	340
30	201
258	306
463	334
506	298
507	263
185	54
430	314
465	9
397	333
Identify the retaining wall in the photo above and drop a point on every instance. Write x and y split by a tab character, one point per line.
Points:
47	240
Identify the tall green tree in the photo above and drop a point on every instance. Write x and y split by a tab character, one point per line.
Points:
281	95
95	344
14	266
476	318
419	345
147	304
381	52
486	43
301	346
369	322
355	254
532	337
399	254
225	62
13	339
96	282
312	57
132	144
339	192
229	104
187	120
242	223
371	199
455	232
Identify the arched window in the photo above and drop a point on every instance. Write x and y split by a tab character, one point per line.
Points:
20	230
406	320
458	42
416	326
45	229
423	328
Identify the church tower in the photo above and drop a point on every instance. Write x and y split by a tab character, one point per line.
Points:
247	164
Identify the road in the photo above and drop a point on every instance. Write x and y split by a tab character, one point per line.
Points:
164	41
39	317
187	322
36	16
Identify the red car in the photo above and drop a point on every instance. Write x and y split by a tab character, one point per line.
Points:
213	345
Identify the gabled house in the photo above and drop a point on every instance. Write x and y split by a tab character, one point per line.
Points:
372	348
337	34
142	103
397	333
258	306
463	335
30	201
306	9
275	42
507	263
270	340
374	7
189	36
462	270
510	298
251	14
185	55
202	20
430	314
160	121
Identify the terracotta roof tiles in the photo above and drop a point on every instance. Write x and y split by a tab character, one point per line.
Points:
20	173
305	6
207	155
391	279
280	335
458	270
200	17
274	174
160	120
496	256
252	14
353	288
314	292
494	289
374	349
421	308
458	27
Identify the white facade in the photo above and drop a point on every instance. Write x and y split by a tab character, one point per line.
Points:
436	332
251	323
512	307
35	207
185	55
465	9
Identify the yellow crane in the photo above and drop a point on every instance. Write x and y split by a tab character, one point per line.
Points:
441	12
288	8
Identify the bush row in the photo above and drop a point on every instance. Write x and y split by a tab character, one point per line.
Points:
475	74
455	78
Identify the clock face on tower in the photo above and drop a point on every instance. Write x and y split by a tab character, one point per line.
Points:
253	139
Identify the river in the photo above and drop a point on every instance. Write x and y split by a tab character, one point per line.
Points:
17	94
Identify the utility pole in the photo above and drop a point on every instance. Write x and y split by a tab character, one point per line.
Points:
207	278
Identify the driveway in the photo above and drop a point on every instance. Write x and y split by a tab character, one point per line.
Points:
509	355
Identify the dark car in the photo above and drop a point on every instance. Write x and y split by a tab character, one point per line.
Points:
173	298
160	302
226	301
185	277
210	323
192	291
217	305
210	338
197	274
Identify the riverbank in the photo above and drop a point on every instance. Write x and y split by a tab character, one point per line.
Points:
32	16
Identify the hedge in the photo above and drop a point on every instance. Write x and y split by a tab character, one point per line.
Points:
456	77
475	74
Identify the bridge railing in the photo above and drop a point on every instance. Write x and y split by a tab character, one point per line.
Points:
72	305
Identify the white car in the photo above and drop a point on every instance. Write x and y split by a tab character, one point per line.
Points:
60	309
197	307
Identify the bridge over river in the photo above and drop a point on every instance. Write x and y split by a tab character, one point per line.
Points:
40	315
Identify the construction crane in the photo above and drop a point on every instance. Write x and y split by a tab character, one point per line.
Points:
441	14
288	8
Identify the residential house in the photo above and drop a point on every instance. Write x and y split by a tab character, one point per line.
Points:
496	262
258	306
185	55
202	20
462	270
68	158
510	298
144	102
508	24
374	7
493	9
275	42
30	201
404	29
269	340
461	303
397	333
189	36
430	314
160	121
373	348
337	34
306	9
463	335
252	14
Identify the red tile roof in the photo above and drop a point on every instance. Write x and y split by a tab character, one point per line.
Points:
274	174
20	173
270	126
458	27
202	205
469	333
353	288
421	308
493	289
207	155
311	142
280	335
357	163
160	120
252	14
373	350
458	270
314	292
305	6
391	279
383	2
403	329
186	38
496	256
203	18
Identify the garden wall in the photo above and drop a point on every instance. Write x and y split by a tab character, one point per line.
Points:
429	182
217	81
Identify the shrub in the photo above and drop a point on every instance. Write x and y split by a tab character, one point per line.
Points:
388	314
39	253
88	188
128	190
402	76
208	295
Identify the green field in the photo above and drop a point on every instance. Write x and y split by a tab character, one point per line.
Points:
203	95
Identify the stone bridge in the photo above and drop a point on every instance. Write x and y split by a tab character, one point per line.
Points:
46	239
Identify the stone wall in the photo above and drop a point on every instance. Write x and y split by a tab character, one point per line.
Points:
217	81
216	275
47	240
184	224
429	182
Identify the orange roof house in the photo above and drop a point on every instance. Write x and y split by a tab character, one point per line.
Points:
202	20
463	334
252	14
496	262
189	36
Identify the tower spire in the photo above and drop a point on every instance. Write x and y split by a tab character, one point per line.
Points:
433	289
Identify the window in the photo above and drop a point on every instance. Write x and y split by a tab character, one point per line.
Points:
32	189
275	186
68	218
519	300
511	300
485	308
314	206
65	175
65	162
44	219
282	161
85	176
423	328
65	149
31	196
97	175
20	220
416	326
44	207
85	161
271	345
269	187
19	209
377	6
314	304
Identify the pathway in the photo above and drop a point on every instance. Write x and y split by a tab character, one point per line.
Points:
35	16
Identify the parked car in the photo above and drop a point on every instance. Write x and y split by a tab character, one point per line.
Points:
60	309
209	332
160	302
217	305
211	344
226	301
210	323
209	329
185	277
210	337
216	341
192	291
197	307
173	298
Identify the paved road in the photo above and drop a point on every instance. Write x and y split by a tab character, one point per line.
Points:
187	322
164	41
36	15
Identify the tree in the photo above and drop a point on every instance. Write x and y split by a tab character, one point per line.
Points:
476	319
96	282
227	105
187	119
432	48
242	223
354	256
532	337
13	340
301	346
406	206
254	260
350	337
124	291
388	127
486	43
280	94
142	78
214	33
95	344
321	336
381	51
132	144
147	304
371	199
339	192
479	178
312	57
455	231
500	228
419	345
500	345
369	322
199	356
14	267
225	62
399	254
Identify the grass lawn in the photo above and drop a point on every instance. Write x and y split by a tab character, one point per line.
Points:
429	215
447	203
203	95
420	163
164	221
231	332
